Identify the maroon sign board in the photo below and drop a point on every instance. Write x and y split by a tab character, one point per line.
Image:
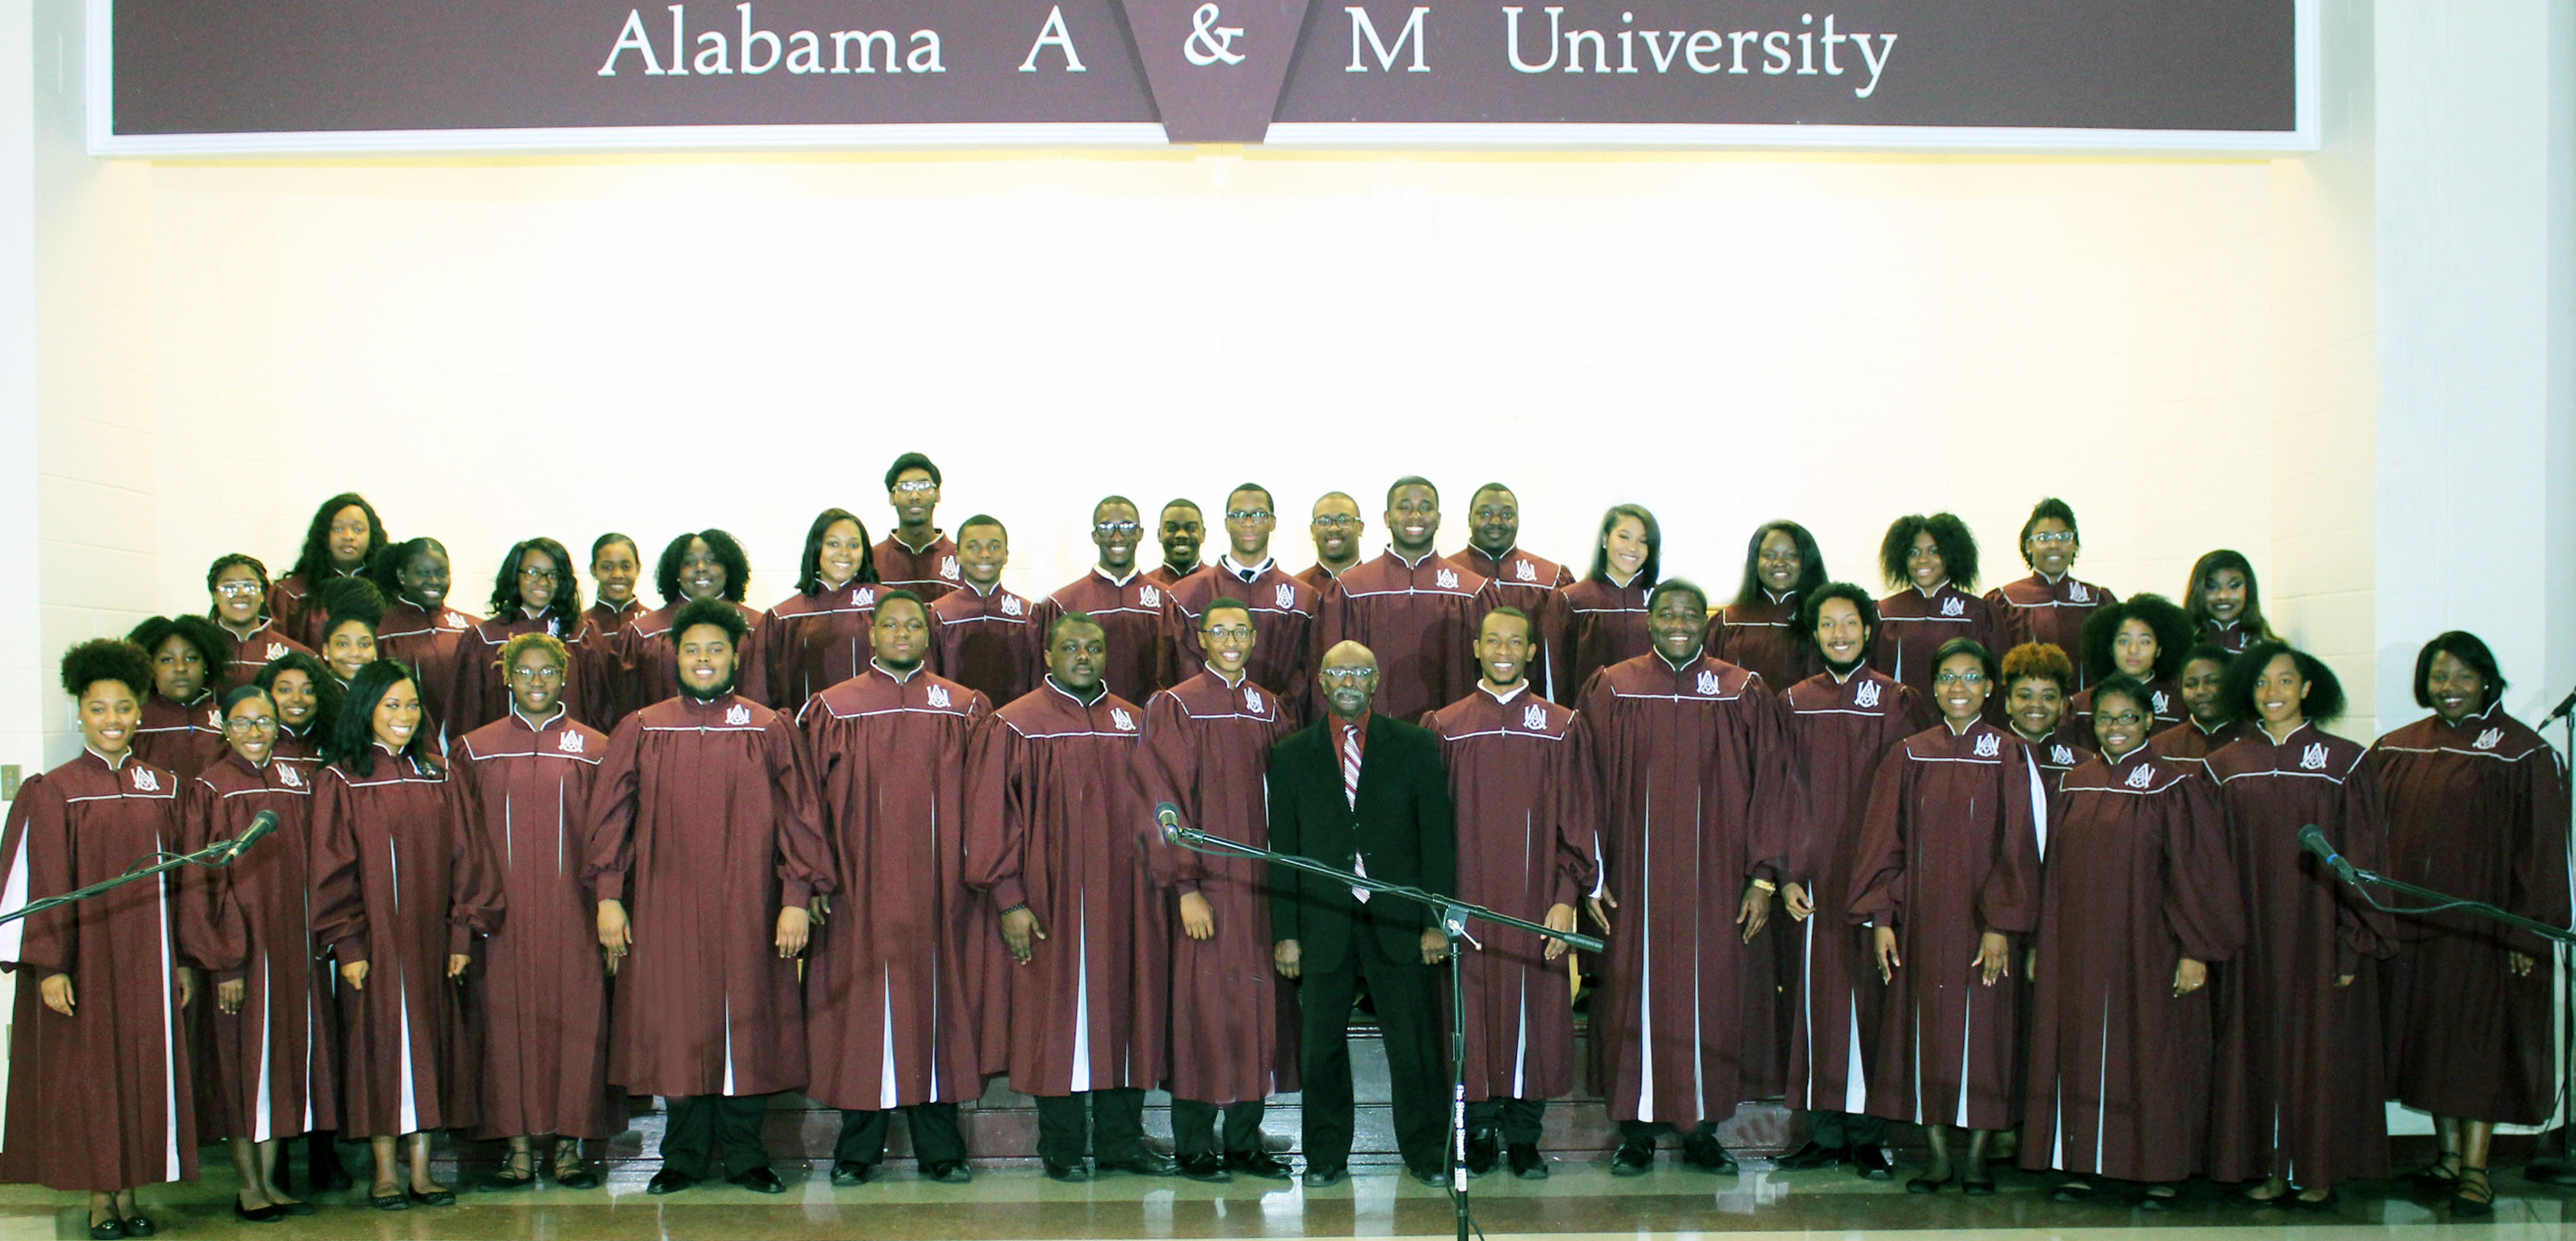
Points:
177	77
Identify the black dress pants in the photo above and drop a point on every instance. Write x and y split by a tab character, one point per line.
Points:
1114	1121
934	1135
707	1126
1194	1128
1403	992
1518	1120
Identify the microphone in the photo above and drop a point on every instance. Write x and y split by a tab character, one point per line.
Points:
2566	707
2314	841
261	824
1169	816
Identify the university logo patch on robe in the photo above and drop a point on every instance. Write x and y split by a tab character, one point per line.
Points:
1989	746
2314	757
1287	597
1954	606
2158	705
1534	718
2060	755
2141	778
938	695
1445	579
864	597
1011	605
1252	700
571	742
1149	596
1708	683
2489	739
276	651
948	567
290	777
2075	592
1524	570
737	714
1126	723
1866	695
145	781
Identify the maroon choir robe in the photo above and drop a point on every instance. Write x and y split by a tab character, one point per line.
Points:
705	824
1599	623
1528	801
2059	752
1130	612
2233	637
2139	877
601	625
2299	1092
292	744
1912	626
400	881
434	647
1166	576
2188	743
1319	577
1841	730
889	1000
1234	1020
1698	796
101	1101
648	655
265	644
483	685
2477	809
929	572
540	991
295	607
1533	585
1763	638
1950	851
273	1065
810	643
604	618
1284	610
2036	609
1419	619
987	641
180	738
2164	705
1054	821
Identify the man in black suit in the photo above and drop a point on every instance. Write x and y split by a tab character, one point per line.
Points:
1362	792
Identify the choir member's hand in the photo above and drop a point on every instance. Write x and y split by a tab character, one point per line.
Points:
1560	917
456	963
1755	911
821	909
1435	946
354	973
1882	940
2189	976
58	993
1198	918
1020	933
229	994
187	979
1600	906
615	935
794	925
1994	957
1800	905
2518	963
1284	956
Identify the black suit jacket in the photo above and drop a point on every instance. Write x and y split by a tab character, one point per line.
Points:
1403	827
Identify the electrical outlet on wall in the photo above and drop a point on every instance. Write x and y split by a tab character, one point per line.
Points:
8	782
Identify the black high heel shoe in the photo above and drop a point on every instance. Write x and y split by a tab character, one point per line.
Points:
1926	1185
269	1214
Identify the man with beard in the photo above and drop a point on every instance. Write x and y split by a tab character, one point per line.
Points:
1362	792
1282	604
1125	604
1416	611
886	991
1184	530
707	564
1207	743
705	822
915	556
1520	580
1055	839
983	636
1336	527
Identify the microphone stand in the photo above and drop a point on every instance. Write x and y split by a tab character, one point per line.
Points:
212	855
2562	1170
1454	915
2554	1172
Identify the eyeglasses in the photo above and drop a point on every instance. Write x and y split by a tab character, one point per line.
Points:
1237	632
237	589
1347	676
1118	527
1249	514
533	574
915	487
1336	523
547	672
2127	719
1960	678
249	724
2053	536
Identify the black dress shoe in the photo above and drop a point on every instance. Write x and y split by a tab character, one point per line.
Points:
1072	1173
1813	1155
138	1226
298	1207
1704	1152
577	1177
1526	1162
1207	1166
107	1230
759	1181
1147	1164
849	1172
669	1181
1632	1159
947	1172
441	1197
1484	1150
269	1214
1926	1185
1437	1178
1326	1177
1869	1159
393	1202
1262	1164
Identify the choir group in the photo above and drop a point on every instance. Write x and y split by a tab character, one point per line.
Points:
2037	851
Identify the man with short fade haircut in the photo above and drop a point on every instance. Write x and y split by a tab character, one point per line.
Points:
1528	804
1207	743
1520	580
1336	527
1416	611
1283	605
1126	604
1697	798
889	1020
915	555
704	818
983	636
1055	839
1182	531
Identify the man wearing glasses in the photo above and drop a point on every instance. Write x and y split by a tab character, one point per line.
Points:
1418	612
1336	526
1127	605
916	556
1283	605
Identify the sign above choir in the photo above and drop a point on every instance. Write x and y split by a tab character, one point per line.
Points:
180	77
